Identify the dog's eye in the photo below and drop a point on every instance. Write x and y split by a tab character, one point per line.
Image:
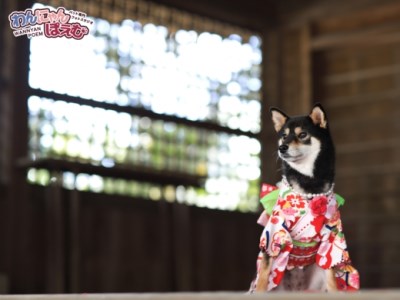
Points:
302	135
284	136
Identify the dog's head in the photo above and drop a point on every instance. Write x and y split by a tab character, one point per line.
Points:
301	138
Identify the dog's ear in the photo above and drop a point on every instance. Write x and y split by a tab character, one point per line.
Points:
318	116
279	118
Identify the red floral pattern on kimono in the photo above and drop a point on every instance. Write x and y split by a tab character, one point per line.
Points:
299	232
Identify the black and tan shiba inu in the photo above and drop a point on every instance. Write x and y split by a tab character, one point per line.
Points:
302	245
306	149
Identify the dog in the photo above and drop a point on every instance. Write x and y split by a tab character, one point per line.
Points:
302	246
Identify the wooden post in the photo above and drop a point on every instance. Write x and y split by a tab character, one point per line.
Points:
163	278
55	238
19	233
182	248
305	77
74	242
271	70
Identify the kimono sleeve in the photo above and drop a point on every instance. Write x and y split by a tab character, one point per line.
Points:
333	248
276	237
278	245
333	253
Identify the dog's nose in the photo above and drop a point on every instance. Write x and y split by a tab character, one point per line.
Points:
283	148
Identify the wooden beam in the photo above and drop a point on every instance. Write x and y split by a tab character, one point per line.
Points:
369	145
142	112
254	15
343	101
140	173
389	168
366	121
365	17
311	11
361	74
384	34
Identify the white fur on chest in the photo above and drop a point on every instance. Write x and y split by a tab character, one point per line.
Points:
309	153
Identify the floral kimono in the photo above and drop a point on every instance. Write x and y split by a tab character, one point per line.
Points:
300	231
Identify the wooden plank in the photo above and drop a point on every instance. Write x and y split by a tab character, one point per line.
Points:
122	244
313	11
364	122
383	34
182	247
366	146
363	98
374	111
370	133
354	88
384	184
341	60
74	243
383	169
387	294
361	75
163	277
366	16
55	239
364	159
203	251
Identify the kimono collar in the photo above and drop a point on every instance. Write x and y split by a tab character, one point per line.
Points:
269	194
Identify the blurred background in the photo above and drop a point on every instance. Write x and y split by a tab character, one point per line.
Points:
131	160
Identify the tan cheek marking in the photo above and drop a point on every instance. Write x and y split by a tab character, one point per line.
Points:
297	131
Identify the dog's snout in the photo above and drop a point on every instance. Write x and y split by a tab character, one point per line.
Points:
283	148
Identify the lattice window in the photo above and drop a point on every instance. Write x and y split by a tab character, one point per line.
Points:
150	91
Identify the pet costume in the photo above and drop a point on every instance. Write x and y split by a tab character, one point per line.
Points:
300	231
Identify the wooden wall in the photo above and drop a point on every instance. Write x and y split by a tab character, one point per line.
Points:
345	54
360	87
131	245
348	58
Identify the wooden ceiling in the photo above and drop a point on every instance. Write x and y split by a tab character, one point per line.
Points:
259	15
251	14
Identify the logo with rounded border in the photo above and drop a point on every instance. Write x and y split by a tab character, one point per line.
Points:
50	22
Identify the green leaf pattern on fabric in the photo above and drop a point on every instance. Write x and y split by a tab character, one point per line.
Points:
340	200
269	201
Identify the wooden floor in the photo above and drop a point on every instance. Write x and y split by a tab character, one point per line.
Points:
364	295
